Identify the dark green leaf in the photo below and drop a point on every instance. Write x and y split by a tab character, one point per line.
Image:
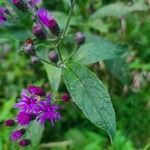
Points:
92	97
119	68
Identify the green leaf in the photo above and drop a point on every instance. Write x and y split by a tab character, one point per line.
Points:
99	50
119	68
92	97
66	2
62	19
54	76
35	134
119	9
8	105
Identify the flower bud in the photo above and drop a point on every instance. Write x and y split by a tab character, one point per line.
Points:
21	5
53	56
54	27
24	118
65	97
24	142
17	134
29	48
3	14
80	38
39	32
9	122
34	59
48	20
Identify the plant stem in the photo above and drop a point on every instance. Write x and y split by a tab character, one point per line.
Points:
67	24
59	53
73	52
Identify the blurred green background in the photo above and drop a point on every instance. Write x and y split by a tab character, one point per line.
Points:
125	21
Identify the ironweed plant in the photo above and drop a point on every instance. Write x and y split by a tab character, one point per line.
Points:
47	44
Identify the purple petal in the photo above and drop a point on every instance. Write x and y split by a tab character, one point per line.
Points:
44	16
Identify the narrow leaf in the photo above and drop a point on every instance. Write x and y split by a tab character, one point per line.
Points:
54	76
92	97
35	133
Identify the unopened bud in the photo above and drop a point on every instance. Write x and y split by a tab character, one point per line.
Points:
53	56
9	122
65	97
29	47
21	5
17	134
39	32
54	27
24	142
80	38
34	59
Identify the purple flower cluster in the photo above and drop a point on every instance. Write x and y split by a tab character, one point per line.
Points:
34	104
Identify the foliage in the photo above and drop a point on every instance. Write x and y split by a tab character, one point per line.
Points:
123	70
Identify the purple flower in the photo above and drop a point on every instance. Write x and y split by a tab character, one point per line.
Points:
48	20
34	90
45	16
49	112
17	134
2	15
24	118
28	105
